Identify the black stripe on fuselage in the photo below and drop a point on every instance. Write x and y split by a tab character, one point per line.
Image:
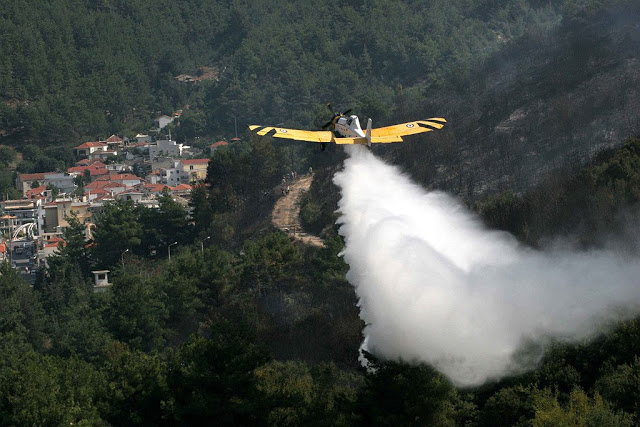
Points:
443	121
259	128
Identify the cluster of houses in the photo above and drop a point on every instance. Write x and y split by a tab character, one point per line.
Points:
110	170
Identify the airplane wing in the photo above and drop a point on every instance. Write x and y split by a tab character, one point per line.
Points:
298	135
395	133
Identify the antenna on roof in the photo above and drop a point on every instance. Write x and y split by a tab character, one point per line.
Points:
235	124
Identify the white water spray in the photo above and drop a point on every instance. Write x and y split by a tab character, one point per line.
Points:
436	286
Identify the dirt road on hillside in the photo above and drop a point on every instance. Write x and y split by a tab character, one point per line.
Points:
286	212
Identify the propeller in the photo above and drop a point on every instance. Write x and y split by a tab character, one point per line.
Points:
336	115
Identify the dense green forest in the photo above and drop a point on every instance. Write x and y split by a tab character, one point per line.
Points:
267	332
243	326
81	69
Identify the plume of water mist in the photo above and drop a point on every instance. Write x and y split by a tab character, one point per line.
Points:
434	285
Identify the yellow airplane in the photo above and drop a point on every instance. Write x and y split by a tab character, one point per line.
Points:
347	130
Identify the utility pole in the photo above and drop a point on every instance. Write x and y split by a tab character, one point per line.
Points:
202	244
235	124
169	248
122	257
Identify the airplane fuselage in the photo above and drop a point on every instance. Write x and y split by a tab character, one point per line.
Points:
349	127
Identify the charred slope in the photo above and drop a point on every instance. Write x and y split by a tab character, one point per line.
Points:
555	96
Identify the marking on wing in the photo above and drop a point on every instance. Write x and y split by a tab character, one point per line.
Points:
428	126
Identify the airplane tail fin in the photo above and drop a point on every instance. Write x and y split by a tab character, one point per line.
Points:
368	133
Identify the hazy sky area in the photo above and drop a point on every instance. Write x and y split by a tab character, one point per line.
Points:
437	286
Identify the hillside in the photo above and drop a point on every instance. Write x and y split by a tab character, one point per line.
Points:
74	69
552	98
215	314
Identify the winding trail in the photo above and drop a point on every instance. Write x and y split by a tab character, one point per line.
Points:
286	212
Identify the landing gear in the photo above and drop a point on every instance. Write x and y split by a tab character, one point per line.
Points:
323	146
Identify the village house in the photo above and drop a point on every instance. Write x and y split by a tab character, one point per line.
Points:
57	212
162	121
133	152
135	196
63	181
154	189
40	192
181	190
88	148
49	245
26	181
95	169
118	167
101	188
114	142
162	162
23	212
102	155
166	147
218	144
171	176
194	170
153	178
127	179
142	138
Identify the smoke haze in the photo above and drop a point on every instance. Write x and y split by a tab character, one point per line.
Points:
436	286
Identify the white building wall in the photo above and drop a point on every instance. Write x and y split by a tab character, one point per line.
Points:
166	147
63	181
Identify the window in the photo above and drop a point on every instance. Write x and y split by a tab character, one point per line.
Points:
102	276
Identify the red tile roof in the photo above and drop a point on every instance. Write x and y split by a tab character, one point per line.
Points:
119	177
219	144
115	138
93	171
182	187
96	191
35	192
32	176
195	162
103	184
54	241
156	188
92	144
